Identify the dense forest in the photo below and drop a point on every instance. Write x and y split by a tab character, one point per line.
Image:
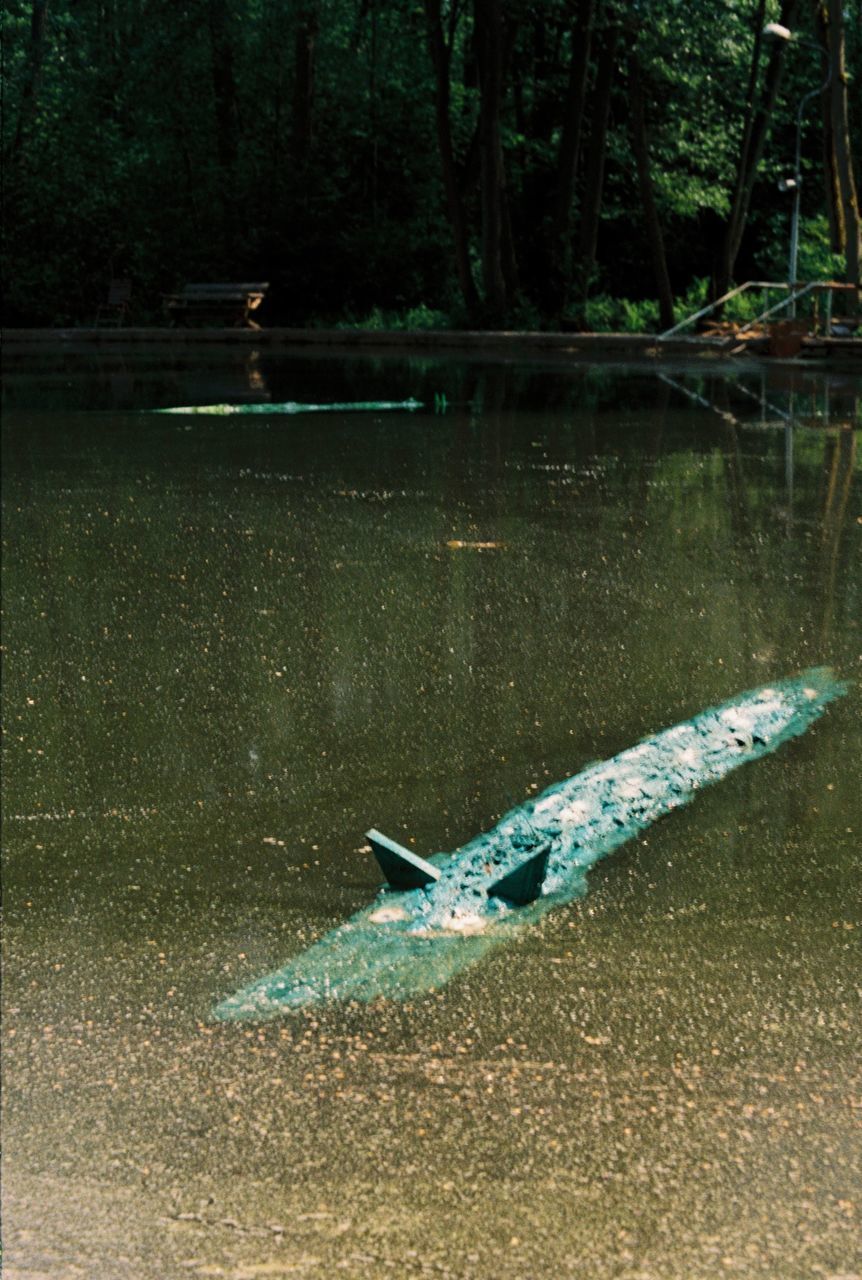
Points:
601	163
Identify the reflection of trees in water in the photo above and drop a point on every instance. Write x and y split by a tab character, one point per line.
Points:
749	576
830	592
785	591
839	465
806	457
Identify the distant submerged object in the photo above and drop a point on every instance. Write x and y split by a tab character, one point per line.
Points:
438	915
291	407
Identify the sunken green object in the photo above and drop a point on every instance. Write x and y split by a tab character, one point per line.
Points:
290	407
440	915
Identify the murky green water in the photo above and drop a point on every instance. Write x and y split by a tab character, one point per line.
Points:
232	645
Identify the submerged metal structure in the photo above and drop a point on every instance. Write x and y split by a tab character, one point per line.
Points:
436	916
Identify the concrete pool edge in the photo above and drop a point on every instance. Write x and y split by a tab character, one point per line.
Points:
518	344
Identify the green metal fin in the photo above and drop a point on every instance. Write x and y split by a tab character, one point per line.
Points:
524	884
402	868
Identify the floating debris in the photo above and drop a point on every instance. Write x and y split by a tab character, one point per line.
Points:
456	544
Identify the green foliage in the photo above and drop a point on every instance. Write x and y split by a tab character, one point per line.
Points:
604	314
816	260
164	141
694	297
419	317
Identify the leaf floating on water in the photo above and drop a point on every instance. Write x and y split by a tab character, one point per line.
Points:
456	544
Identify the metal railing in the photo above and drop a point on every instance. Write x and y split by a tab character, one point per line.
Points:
794	291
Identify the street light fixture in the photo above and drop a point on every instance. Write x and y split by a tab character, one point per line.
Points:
775	31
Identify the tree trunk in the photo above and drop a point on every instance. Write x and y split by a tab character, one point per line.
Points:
595	171
568	158
848	198
509	255
33	76
489	50
723	272
832	193
303	84
570	136
652	224
226	115
831	189
441	58
755	130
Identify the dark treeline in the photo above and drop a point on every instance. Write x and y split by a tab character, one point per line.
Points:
460	161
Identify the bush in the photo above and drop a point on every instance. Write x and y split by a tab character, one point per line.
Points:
421	317
604	314
815	260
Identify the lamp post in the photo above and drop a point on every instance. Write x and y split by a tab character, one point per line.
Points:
775	31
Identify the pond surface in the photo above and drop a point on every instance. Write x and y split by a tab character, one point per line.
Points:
232	645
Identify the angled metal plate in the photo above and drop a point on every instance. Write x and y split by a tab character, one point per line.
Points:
402	868
524	884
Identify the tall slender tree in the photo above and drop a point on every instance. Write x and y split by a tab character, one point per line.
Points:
32	79
652	223
569	154
489	53
848	199
759	110
440	47
606	40
226	104
305	38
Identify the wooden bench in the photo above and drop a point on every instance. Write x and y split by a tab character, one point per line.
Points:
222	304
